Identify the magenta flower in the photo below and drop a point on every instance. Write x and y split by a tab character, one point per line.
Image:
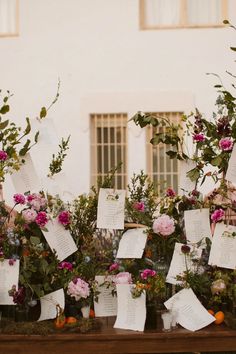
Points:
3	155
65	265
198	137
41	219
64	218
170	193
146	273
36	201
164	225
19	198
217	215
226	144
139	206
113	266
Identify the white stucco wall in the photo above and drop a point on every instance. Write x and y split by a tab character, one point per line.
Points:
106	63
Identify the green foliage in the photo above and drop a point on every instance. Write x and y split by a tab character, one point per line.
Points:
56	163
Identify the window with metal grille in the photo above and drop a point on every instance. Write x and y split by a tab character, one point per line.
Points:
109	147
9	18
159	14
162	170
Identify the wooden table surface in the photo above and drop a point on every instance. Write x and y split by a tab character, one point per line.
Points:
108	340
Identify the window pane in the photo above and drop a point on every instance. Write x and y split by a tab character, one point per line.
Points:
162	12
204	12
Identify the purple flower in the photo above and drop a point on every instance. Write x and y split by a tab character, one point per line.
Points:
65	265
170	193
64	218
19	198
226	144
139	206
3	155
113	266
11	261
185	249
146	273
217	215
164	225
198	137
41	219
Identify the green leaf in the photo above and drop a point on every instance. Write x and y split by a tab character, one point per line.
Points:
5	109
34	240
43	112
171	154
193	174
216	161
233	48
226	22
217	86
25	148
36	137
28	127
4	124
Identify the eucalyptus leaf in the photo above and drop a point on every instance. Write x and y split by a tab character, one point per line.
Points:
43	112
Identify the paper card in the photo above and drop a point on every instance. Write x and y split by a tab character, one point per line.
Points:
46	146
131	312
107	303
49	303
26	179
231	171
197	224
59	239
181	262
223	247
190	312
132	243
111	212
9	275
185	184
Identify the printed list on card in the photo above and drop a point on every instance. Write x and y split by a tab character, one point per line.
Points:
9	275
197	224
111	204
132	243
107	303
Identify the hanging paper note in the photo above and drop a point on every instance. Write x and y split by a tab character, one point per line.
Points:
111	213
26	179
197	224
185	184
132	243
182	262
223	247
49	304
190	312
59	239
231	171
131	312
106	304
9	275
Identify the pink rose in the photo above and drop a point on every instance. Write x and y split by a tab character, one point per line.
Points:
113	266
19	198
164	225
65	265
41	219
198	137
139	206
3	155
170	193
146	273
29	215
78	288
64	217
123	278
217	215
226	144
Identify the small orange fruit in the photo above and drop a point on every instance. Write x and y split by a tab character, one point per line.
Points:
211	312
220	316
91	313
71	320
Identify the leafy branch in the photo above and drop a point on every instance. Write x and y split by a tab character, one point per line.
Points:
56	164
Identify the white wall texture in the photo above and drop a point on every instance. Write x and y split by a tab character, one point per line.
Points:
105	63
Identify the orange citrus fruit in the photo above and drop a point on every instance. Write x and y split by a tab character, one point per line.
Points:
220	316
71	320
